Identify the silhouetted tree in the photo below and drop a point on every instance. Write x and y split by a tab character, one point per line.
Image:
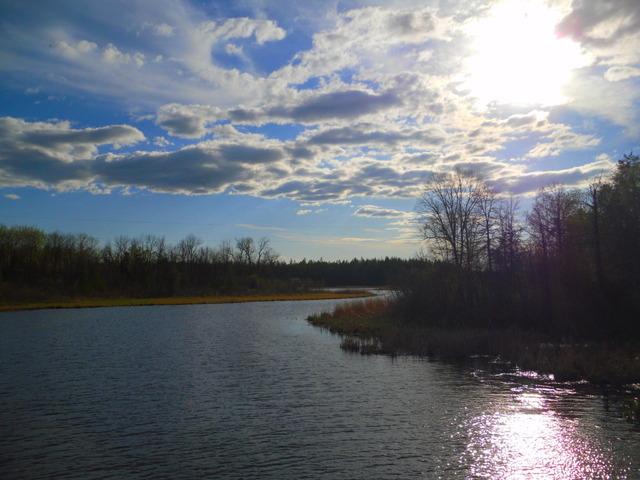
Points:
452	217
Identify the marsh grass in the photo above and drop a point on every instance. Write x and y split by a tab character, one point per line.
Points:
134	302
371	326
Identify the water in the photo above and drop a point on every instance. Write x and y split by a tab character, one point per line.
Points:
252	391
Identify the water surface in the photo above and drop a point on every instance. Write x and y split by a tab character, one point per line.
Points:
252	391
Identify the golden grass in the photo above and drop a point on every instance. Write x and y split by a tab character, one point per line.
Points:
139	302
366	318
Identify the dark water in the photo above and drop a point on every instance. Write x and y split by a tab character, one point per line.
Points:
252	391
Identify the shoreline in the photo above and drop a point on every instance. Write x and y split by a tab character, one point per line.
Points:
372	327
192	300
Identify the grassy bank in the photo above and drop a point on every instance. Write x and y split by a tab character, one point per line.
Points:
371	326
134	302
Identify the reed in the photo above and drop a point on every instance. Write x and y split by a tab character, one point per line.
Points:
372	326
365	318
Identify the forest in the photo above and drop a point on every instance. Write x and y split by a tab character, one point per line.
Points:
39	266
569	267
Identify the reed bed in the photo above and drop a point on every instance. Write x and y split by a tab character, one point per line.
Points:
371	326
365	318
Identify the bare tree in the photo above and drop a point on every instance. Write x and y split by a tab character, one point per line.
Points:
121	248
224	253
187	248
155	247
547	221
246	251
489	207
265	254
509	234
451	209
86	244
593	203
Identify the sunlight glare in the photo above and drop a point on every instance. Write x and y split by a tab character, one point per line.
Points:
525	438
520	60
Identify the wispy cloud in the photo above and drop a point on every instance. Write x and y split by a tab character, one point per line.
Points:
260	227
379	212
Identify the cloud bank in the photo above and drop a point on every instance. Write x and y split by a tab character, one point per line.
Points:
315	106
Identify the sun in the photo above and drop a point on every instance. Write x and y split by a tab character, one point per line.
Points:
519	58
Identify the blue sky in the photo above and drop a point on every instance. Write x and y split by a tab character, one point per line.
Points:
313	123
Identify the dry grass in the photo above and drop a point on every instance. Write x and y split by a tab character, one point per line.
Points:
131	302
364	318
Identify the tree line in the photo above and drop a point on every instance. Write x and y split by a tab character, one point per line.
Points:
570	266
35	265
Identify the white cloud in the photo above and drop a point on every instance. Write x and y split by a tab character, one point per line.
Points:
262	30
12	196
608	33
74	49
159	29
259	227
187	121
605	29
55	155
366	37
592	95
99	44
527	183
358	239
233	49
375	103
379	212
161	142
621	72
561	139
42	153
111	54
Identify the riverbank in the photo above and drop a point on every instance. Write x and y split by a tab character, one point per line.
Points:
372	327
140	302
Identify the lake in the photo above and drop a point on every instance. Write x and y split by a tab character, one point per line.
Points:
252	391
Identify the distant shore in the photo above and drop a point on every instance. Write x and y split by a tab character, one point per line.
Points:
193	300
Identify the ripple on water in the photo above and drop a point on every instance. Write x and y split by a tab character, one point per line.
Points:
252	391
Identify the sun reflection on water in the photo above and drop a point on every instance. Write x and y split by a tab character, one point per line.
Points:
524	437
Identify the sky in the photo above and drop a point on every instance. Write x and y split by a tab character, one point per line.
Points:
314	123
